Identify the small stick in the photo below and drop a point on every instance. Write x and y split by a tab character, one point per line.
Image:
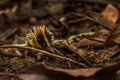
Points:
7	74
43	52
93	20
79	55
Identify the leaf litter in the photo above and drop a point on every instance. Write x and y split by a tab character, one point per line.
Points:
86	45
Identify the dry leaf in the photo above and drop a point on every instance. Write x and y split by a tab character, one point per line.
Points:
44	72
114	37
111	13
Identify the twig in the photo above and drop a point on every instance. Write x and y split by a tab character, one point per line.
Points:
93	39
7	74
44	52
79	55
101	2
94	20
78	20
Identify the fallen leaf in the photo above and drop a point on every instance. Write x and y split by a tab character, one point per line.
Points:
114	37
87	42
40	72
111	13
44	72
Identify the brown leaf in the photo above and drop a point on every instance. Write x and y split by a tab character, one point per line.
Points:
44	72
110	13
111	69
87	42
110	72
40	72
114	37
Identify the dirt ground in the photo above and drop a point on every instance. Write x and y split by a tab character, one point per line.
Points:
59	40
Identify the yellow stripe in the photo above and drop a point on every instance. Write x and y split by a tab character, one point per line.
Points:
44	35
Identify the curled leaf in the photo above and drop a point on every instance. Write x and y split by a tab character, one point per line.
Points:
111	13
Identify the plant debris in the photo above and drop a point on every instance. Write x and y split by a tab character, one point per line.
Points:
79	40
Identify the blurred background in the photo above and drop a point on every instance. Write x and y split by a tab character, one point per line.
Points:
18	16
